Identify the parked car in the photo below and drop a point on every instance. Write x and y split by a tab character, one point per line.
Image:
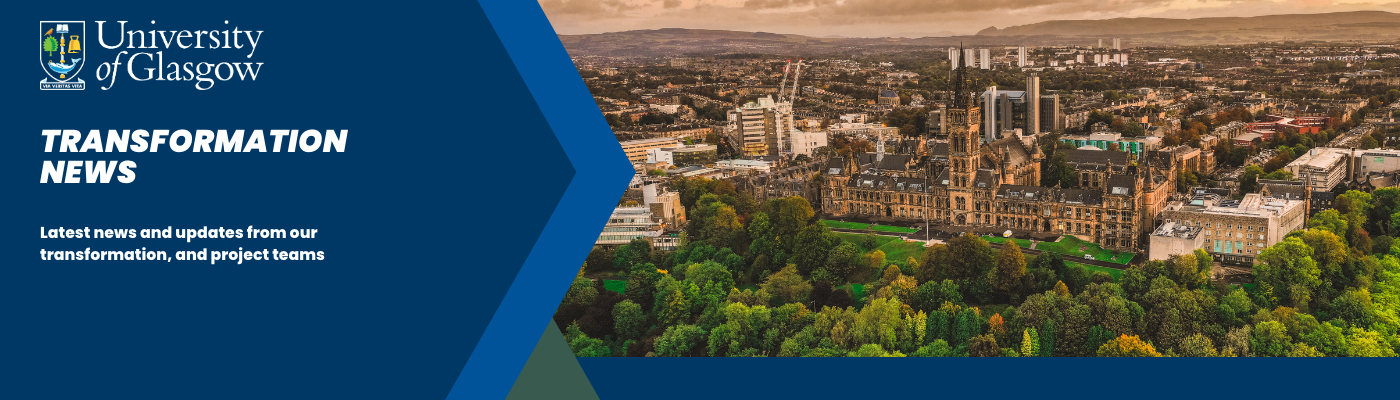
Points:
1088	256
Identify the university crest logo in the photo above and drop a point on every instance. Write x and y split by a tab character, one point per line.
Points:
61	54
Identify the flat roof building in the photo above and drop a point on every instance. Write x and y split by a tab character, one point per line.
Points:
697	154
1102	140
745	165
1232	231
1322	168
637	149
1172	239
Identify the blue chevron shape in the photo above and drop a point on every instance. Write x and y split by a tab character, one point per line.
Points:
601	174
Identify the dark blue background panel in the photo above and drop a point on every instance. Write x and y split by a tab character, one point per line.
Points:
985	378
449	176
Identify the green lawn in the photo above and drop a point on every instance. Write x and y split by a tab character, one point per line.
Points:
895	229
857	289
896	250
1068	246
859	239
843	225
999	240
866	227
615	285
1116	273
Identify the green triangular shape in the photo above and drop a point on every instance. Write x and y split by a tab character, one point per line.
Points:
552	372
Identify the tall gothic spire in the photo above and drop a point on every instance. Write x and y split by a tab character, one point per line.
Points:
959	100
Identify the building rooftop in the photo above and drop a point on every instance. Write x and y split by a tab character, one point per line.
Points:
691	148
1253	205
649	141
743	163
1171	229
1320	158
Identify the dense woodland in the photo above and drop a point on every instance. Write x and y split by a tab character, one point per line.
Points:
767	280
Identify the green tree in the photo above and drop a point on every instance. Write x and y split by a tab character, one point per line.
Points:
931	295
983	346
1367	343
1197	345
1270	339
938	348
1010	269
813	246
1354	306
1386	202
709	272
50	45
628	319
1329	220
1186	271
874	262
584	346
671	306
1286	264
842	260
1235	308
935	264
1030	343
633	255
966	325
679	341
1303	350
1249	182
1368	142
873	350
641	287
969	256
1058	173
1328	339
788	285
1127	346
581	294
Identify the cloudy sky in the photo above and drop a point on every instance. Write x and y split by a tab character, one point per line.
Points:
902	18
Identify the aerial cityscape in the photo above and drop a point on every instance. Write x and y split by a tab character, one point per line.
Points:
1029	191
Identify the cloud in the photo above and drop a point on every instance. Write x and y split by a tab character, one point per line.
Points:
593	8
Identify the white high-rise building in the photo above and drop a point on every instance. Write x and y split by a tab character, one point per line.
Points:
1079	58
953	58
1100	43
970	57
986	58
1117	42
1021	57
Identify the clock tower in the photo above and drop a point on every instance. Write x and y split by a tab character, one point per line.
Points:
964	148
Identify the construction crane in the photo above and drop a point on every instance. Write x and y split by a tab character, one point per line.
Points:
792	95
783	86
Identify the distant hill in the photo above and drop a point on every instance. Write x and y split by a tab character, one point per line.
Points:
1356	25
1341	26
